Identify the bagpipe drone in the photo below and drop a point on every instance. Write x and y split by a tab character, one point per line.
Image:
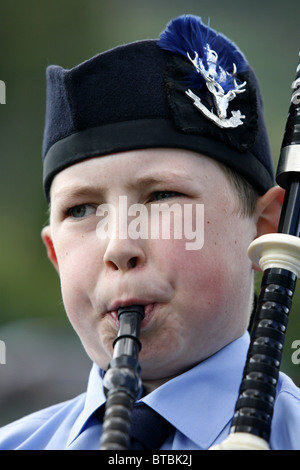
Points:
279	257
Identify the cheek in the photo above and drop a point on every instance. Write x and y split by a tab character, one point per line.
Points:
199	279
204	286
79	272
208	278
77	266
77	257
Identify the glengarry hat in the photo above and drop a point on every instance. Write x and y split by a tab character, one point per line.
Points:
192	89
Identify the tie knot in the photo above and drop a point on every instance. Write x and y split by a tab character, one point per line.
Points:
148	430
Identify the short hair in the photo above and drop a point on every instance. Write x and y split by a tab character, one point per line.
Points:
247	194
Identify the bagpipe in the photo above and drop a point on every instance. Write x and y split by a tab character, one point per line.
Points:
278	255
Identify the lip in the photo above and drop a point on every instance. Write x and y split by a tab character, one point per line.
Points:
150	308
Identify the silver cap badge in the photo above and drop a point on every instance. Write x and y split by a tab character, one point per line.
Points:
215	81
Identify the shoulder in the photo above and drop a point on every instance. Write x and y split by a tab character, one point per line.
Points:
286	420
288	394
40	425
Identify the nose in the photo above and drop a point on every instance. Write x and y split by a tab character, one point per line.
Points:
124	255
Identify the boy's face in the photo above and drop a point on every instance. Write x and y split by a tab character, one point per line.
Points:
197	301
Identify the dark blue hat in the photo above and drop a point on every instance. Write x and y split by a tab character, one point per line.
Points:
191	89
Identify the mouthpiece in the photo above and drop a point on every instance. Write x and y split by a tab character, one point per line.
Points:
127	342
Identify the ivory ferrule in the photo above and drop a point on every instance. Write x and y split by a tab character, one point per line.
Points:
276	250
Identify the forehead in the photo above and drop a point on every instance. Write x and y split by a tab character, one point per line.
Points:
134	168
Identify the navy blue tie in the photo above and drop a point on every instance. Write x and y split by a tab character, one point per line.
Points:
148	430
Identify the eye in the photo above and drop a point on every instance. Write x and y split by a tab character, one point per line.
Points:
159	195
83	210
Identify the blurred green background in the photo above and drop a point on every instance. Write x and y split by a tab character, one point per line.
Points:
44	358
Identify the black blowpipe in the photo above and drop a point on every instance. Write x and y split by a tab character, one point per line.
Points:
122	384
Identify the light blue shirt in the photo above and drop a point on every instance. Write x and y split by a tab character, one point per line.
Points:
199	403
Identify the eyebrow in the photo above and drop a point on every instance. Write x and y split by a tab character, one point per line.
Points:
84	190
72	192
167	177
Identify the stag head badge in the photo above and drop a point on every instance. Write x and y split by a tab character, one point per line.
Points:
222	85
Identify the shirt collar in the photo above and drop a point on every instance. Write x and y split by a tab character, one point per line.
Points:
210	389
94	399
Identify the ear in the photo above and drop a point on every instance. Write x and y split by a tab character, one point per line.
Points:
268	211
47	239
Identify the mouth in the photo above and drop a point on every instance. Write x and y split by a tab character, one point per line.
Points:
149	310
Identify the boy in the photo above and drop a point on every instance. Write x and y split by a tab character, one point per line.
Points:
168	125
